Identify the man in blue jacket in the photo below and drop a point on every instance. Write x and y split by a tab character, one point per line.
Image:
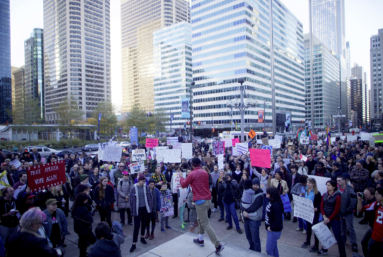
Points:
155	209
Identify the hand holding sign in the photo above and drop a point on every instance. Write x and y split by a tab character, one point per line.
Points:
151	142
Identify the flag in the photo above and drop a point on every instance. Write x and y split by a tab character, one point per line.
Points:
328	132
171	119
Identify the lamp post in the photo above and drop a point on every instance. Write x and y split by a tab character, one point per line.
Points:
264	114
242	104
190	107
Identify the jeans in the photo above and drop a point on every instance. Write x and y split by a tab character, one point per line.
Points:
151	218
302	224
222	209
83	241
214	196
231	212
336	229
175	201
105	214
265	203
365	241
347	222
252	234
375	248
141	219
204	224
122	215
271	243
166	221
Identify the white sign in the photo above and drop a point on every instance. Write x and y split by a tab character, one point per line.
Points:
365	136
321	183
160	152
182	196
333	140
259	142
241	148
101	147
303	208
304	158
324	235
372	142
304	140
320	142
136	167
275	143
112	154
342	137
138	155
176	182
220	161
172	156
278	137
351	138
187	151
228	142
171	140
177	145
17	163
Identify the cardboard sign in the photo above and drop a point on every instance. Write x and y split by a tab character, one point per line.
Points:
228	142
260	158
321	183
220	162
138	155
286	203
167	208
136	167
265	141
17	163
172	156
171	140
259	142
275	143
151	142
252	134
304	140
160	153
314	137
303	208
101	148
112	154
234	141
324	235
176	182
187	150
45	176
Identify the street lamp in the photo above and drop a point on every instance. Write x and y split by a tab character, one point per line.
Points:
242	104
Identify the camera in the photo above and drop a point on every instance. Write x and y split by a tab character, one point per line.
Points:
360	194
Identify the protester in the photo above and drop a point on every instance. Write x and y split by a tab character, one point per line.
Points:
123	188
55	225
9	221
273	221
104	198
375	245
156	207
167	196
193	214
281	186
107	244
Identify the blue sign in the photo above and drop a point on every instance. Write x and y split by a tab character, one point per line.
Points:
99	120
133	135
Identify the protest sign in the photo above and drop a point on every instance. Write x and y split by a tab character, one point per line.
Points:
278	137
242	148
321	183
275	143
220	162
372	142
112	154
324	235
314	137
286	203
234	141
218	147
286	162
265	141
304	158
304	140
320	142
333	140
351	138
3	180
343	137
159	151
303	208
101	148
138	155
47	175
252	134
17	163
176	182
187	150
136	167
167	208
365	136
260	158
171	140
259	142
182	196
151	142
177	145
268	147
228	142
172	156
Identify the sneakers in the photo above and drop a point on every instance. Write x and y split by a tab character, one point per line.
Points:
198	242
305	245
219	249
221	219
143	240
229	227
313	249
299	229
322	252
304	232
239	231
182	226
214	210
132	248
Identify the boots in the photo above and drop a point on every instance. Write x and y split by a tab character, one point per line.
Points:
147	235
151	236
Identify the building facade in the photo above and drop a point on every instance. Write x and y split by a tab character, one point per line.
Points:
34	68
173	70
260	41
76	54
376	103
139	19
5	63
18	80
358	101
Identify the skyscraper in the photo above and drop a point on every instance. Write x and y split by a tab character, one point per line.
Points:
18	80
376	50
255	40
359	96
5	62
34	68
139	19
76	54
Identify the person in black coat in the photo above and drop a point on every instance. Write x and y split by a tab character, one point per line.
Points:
273	220
104	198
83	220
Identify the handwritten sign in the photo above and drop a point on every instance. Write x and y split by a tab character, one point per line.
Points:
182	196
138	155
304	140
101	148
259	142
187	150
365	136
252	134
136	167
160	153
112	154
234	141
265	141
17	163
351	138
176	182
303	208
45	176
171	140
220	162
324	235
275	143
260	158
314	137
177	145
172	156
242	148
268	147
286	203
151	142
228	142
218	147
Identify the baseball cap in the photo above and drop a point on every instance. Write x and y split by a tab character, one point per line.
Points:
51	201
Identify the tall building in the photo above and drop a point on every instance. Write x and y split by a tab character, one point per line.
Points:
139	19
173	70
18	80
34	68
348	59
358	101
328	24
357	72
376	50
254	40
13	84
76	54
5	63
322	82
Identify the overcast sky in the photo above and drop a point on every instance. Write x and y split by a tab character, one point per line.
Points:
363	19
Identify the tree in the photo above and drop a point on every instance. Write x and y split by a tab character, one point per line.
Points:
137	117
69	115
159	120
108	123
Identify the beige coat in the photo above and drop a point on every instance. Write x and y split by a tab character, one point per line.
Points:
274	183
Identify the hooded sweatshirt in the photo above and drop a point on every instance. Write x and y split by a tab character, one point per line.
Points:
107	247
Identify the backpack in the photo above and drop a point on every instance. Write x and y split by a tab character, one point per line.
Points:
117	228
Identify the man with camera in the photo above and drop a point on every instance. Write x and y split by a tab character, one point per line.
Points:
366	204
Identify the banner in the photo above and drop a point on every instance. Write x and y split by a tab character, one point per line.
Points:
101	148
234	141
185	113
171	140
286	203
176	182
187	150
288	120
133	135
324	235
112	154
160	153
260	158
321	183
48	175
303	208
220	162
167	208
261	115
151	142
172	156
218	147
136	167
138	155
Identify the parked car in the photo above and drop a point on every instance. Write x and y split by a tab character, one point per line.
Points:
43	150
62	153
151	136
91	147
6	153
124	144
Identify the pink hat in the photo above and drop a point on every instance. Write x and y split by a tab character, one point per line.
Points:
125	173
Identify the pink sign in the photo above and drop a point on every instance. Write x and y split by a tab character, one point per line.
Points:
260	158
314	137
151	142
234	141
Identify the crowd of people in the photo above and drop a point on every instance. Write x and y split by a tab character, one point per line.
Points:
240	191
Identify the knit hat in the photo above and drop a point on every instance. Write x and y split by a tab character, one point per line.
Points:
125	173
141	177
152	181
248	184
196	162
256	181
83	177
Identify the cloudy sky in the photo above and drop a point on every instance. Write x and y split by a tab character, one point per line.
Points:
363	19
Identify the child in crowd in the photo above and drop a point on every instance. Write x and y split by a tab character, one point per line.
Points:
166	206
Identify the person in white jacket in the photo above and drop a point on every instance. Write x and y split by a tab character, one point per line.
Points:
302	170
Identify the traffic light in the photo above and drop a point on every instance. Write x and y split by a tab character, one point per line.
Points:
213	130
199	123
302	121
188	122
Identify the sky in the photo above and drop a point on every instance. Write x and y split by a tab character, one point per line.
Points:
363	19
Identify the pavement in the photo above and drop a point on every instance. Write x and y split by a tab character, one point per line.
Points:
178	242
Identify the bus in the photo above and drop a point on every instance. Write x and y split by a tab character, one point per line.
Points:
237	134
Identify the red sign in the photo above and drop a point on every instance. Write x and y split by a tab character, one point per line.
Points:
151	142
47	175
234	141
314	137
260	158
